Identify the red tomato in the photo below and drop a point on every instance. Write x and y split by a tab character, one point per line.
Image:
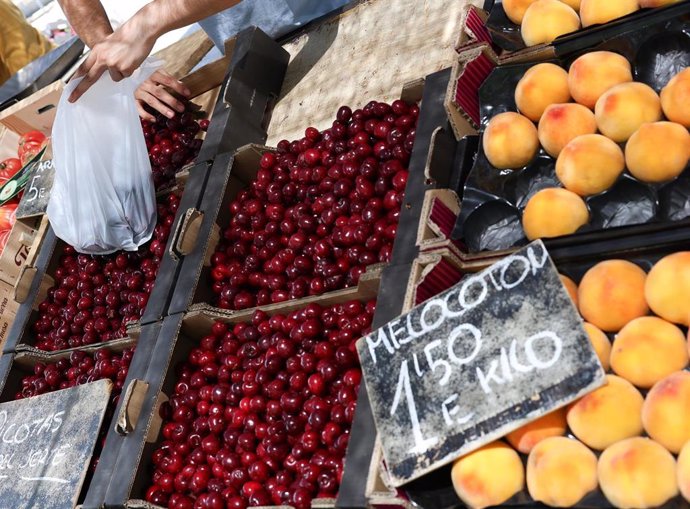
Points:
28	150
9	168
4	235
31	136
7	216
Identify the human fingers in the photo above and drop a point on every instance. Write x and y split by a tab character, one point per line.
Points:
115	75
150	99
163	78
142	111
162	94
89	79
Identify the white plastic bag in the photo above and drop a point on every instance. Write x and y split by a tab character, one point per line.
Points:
103	199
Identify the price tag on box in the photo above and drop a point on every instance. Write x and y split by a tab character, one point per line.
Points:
500	349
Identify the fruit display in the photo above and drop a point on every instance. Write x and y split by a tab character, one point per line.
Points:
585	144
261	411
320	210
172	143
542	21
95	297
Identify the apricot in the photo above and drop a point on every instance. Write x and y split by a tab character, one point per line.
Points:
590	164
656	3
600	342
592	74
658	151
683	469
594	12
667	288
526	437
637	473
541	86
570	287
545	20
607	415
647	350
575	4
553	212
675	98
622	109
488	476
515	9
666	411
561	471
562	123
612	293
510	140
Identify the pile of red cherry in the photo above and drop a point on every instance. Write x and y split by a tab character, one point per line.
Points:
172	144
320	210
261	412
81	368
94	297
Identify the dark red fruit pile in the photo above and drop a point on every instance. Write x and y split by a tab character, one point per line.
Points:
261	412
320	210
172	144
94	297
81	368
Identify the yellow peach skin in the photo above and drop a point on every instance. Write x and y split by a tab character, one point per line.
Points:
570	287
510	140
488	476
607	415
590	164
622	109
515	9
526	437
561	471
684	471
545	20
574	4
637	473
541	86
600	342
667	288
666	411
658	151
554	212
594	73
595	12
612	293
675	98
656	3
648	349
562	123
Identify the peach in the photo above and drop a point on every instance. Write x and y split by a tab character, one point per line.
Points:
612	293
683	469
647	350
570	287
575	4
561	471
666	411
488	476
667	288
541	86
656	3
637	473
515	9
590	164
595	12
510	140
562	123
675	98
608	414
553	212
545	20
526	437
658	151
622	109
600	342
592	74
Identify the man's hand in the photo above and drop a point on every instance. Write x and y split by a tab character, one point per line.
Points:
154	93
121	53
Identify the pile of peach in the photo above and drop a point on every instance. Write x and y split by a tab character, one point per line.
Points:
585	137
542	21
630	437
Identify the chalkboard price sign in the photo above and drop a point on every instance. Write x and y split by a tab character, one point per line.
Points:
37	191
501	348
46	443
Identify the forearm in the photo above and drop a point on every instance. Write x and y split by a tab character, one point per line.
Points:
88	19
161	16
